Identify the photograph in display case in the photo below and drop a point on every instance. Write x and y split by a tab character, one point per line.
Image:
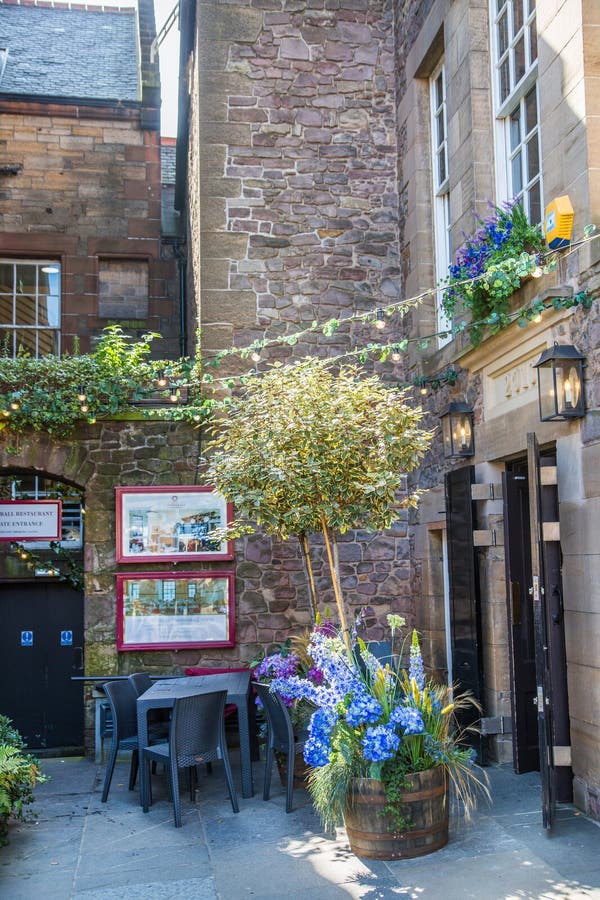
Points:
159	610
171	523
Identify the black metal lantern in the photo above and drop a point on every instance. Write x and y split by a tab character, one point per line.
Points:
560	383
457	430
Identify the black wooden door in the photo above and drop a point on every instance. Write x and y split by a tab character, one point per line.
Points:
465	605
550	658
41	647
521	639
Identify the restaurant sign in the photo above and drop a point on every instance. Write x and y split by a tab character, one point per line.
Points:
30	520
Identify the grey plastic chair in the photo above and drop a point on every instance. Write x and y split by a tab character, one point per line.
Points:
280	736
122	699
158	719
197	736
141	681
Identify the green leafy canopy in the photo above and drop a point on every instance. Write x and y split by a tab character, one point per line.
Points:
303	445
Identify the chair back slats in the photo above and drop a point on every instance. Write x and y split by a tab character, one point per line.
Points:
141	681
278	718
122	698
197	729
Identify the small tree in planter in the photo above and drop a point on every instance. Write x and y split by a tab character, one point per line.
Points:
306	450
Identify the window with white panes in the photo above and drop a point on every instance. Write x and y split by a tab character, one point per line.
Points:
514	47
29	307
441	191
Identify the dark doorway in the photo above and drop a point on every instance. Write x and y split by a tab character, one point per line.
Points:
41	647
465	603
522	631
521	638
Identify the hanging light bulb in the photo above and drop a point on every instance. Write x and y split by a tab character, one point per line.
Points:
173	395
81	394
396	355
379	319
423	389
6	412
161	378
537	318
255	356
14	404
84	408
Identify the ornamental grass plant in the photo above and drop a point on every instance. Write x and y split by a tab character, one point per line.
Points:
378	721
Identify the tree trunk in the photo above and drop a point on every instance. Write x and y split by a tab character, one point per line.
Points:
312	593
335	579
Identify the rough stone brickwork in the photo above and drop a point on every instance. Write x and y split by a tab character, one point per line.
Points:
293	147
89	188
123	289
296	112
87	182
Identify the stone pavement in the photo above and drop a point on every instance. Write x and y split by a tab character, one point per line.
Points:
77	848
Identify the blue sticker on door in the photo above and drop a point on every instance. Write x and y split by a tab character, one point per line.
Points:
66	639
27	639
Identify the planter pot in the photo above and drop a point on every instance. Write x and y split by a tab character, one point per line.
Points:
301	770
372	833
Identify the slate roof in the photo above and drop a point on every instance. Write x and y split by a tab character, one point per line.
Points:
61	52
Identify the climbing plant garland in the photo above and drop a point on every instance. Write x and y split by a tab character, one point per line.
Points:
56	395
67	568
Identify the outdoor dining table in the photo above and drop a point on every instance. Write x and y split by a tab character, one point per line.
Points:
164	693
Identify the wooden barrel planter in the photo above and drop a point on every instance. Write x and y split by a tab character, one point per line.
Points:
371	832
301	771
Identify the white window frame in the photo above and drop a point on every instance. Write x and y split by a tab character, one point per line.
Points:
13	294
518	90
441	195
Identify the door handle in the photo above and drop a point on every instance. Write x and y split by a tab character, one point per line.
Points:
78	657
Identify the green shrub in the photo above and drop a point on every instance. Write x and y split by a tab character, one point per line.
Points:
19	773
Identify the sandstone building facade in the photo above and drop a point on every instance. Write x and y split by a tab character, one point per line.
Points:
336	154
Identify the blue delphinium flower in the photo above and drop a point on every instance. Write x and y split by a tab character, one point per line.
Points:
408	719
363	709
415	667
317	748
380	743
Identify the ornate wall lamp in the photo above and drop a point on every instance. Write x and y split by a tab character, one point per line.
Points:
457	430
560	383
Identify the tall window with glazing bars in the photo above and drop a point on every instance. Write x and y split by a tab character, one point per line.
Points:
29	307
514	55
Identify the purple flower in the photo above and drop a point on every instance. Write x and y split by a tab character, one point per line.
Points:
277	666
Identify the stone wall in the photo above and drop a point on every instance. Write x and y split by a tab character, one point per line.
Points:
568	69
87	193
297	164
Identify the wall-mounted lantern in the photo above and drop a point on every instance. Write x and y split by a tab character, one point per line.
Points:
560	383
457	430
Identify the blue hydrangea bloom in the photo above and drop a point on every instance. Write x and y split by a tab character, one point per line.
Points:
380	743
363	709
408	719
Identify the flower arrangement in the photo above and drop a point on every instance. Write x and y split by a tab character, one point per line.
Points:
376	721
290	661
503	250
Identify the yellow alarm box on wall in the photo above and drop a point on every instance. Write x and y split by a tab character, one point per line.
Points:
558	222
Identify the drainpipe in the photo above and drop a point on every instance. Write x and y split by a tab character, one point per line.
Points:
180	256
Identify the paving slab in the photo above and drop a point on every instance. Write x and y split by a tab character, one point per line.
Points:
77	848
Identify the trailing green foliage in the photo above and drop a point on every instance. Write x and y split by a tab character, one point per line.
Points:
44	394
490	266
19	773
